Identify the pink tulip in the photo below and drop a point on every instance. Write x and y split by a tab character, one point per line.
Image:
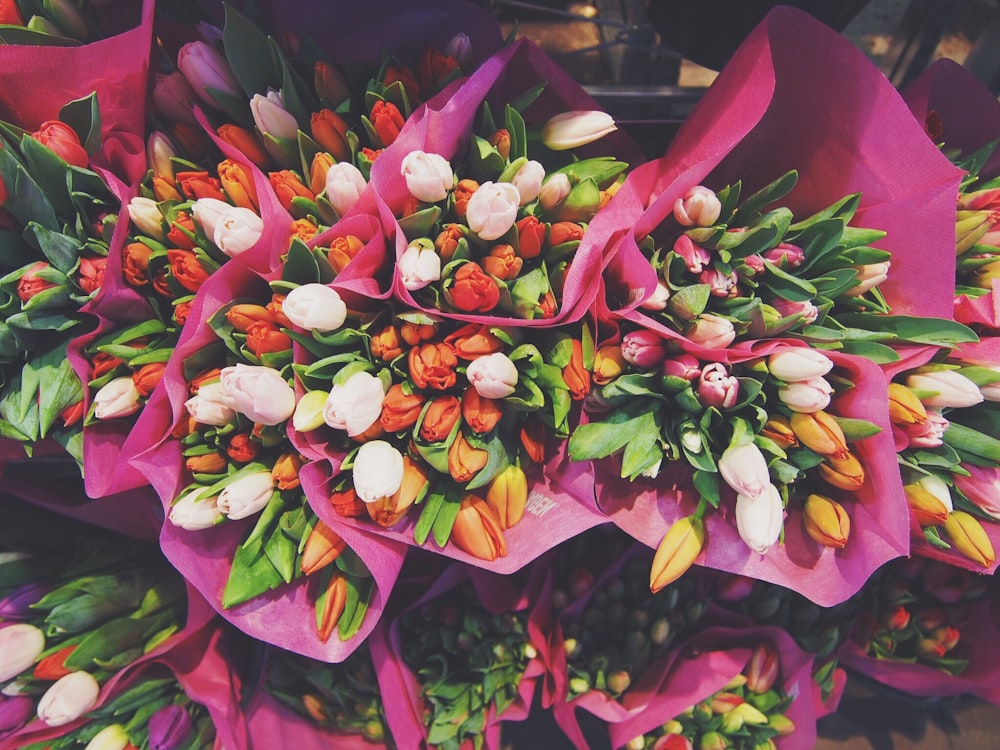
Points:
493	375
699	206
712	331
20	646
271	117
982	488
69	698
721	284
211	405
798	363
207	70
744	468
695	256
644	349
716	387
354	405
684	366
945	389
260	393
806	396
928	433
785	255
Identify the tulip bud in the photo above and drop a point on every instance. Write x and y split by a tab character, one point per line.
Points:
208	72
676	552
869	277
820	432
981	488
762	669
355	405
429	176
388	511
492	209
826	521
419	265
699	207
712	331
334	601
193	514
608	364
330	84
145	214
477	532
308	414
779	429
528	181
493	376
169	728
716	387
744	468
644	349
945	389
344	185
846	472
172	97
20	646
246	496
507	496
806	396
112	737
323	546
968	536
554	191
799	364
378	471
576	128
68	698
760	518
315	307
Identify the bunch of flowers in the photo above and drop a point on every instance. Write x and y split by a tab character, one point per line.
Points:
62	23
60	216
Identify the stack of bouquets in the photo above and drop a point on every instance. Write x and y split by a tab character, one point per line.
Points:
704	260
105	643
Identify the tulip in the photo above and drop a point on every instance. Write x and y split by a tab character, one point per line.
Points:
260	393
63	141
969	537
820	432
507	496
717	388
928	433
344	186
207	463
288	187
799	364
207	71
528	181
112	737
193	514
554	191
574	373
760	518
145	214
208	212
169	728
492	209
433	366
315	307
330	84
643	349
698	207
695	257
805	310
712	331
428	176
763	667
187	269
869	277
845	472
355	405
744	468
246	142
172	97
576	128
237	230
677	551
608	364
720	284
159	152
16	710
657	301
385	343
779	429
481	415
117	398
473	290
503	263
308	414
330	131
323	546
271	117
464	460
199	184
826	521
477	532
68	698
378	471
400	409
440	419
211	405
493	376
806	396
285	472
945	389
334	601
135	264
388	511
387	121
419	265
981	488
20	646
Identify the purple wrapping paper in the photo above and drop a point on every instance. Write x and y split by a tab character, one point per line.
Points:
798	96
879	512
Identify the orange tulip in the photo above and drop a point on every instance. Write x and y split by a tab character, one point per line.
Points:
342	251
473	340
334	598
820	432
287	186
387	511
207	463
187	269
135	264
285	471
575	374
237	180
330	130
433	366
530	237
330	84
346	503
500	140
385	344
480	414
400	410
440	419
533	439
247	142
147	377
847	473
477	531
242	448
465	461
416	333
447	240
244	315
323	546
387	121
53	666
194	185
677	551
462	193
826	521
164	190
503	263
275	307
926	507
779	429
264	337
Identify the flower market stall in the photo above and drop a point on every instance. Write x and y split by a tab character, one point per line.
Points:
364	383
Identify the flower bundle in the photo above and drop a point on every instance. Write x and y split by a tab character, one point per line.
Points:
61	24
60	216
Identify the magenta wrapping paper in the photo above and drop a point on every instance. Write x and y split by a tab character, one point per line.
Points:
879	512
37	81
970	118
444	125
400	688
272	725
199	657
770	111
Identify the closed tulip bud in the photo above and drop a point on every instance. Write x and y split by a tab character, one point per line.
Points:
247	496
806	396
744	468
258	392
330	84
576	128
285	472
169	728
271	117
712	741
207	71
968	537
928	433
502	262
112	737
643	349
820	432
981	488
717	388
658	299
308	414
507	495
492	209
799	364
419	265
779	429
388	511
762	669
323	546
330	131
845	472
712	331
554	191
387	121
464	460
173	98
869	276
117	398
698	207
676	552
531	234
315	307
378	471
428	176
927	508
68	698
334	601
20	646
477	532
400	409
159	151
480	414
238	182
493	375
760	518
826	521
344	185
356	404
246	142
145	214
63	141
781	724
243	316
440	419
528	181
608	364
207	463
945	389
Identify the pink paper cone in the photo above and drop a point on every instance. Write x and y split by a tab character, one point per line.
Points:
775	97
879	532
37	81
273	725
444	126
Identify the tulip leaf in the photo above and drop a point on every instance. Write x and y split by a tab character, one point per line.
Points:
767	194
915	330
432	505
300	264
643	450
27	201
498	460
857	429
842	209
688	302
420	223
518	134
707	485
980	375
967	440
49	170
59	386
880	354
282	551
446	515
785	285
248	52
252	574
112	637
22	35
292	90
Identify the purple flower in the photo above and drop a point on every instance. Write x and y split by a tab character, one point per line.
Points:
169	727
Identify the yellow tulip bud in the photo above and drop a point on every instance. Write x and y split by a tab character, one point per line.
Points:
507	496
845	472
928	509
826	521
969	537
904	406
677	551
820	432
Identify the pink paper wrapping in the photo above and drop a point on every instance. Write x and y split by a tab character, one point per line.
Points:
443	126
272	725
979	634
284	616
560	506
969	116
400	688
796	95
109	446
37	81
199	658
704	664
879	512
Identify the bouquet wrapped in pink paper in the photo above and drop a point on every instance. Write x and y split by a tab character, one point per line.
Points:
926	627
452	684
40	71
963	117
819	239
239	525
487	190
800	438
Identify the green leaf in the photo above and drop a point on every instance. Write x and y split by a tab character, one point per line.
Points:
21	35
707	485
916	330
49	170
768	194
857	429
300	264
252	574
248	52
445	518
84	116
61	250
967	440
432	505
